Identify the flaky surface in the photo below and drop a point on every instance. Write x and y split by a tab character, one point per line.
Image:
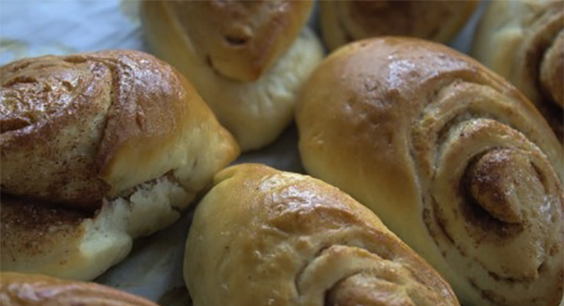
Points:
119	135
267	237
255	111
524	42
456	161
346	21
17	289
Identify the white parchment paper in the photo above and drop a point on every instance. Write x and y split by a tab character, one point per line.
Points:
39	27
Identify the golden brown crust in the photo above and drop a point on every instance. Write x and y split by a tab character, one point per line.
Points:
17	289
241	39
117	134
30	228
523	42
150	101
69	124
415	129
256	112
42	99
263	236
347	21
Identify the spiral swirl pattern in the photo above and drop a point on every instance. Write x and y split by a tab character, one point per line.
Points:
97	149
343	22
437	145
285	239
45	106
508	193
81	127
524	42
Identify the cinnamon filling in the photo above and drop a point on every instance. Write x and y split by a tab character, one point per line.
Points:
497	185
38	92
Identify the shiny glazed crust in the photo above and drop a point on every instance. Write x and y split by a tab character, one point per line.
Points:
345	21
256	111
267	237
98	149
81	127
524	42
240	39
454	160
18	289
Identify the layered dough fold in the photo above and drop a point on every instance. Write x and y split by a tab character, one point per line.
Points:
267	237
454	160
346	21
524	42
97	149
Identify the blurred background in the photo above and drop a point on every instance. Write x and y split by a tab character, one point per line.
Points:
38	27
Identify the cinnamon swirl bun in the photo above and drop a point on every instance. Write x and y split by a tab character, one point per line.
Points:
455	160
267	237
345	21
97	149
524	42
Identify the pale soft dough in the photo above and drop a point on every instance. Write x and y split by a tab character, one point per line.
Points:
255	111
98	149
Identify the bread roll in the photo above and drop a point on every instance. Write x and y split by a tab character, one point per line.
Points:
246	58
18	289
524	42
267	237
97	149
455	161
345	21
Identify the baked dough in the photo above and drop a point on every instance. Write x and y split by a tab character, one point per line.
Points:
452	158
523	41
345	21
247	59
267	237
17	289
97	149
